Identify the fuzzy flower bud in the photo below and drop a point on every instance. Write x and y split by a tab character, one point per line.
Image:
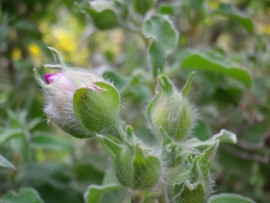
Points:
135	167
77	101
171	111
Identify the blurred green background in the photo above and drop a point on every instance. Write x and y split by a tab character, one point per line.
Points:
61	167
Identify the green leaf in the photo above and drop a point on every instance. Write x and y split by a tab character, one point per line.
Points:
5	163
9	133
25	195
157	57
85	173
55	174
119	80
235	15
136	88
202	131
207	157
199	171
166	9
165	40
33	123
229	198
43	140
95	193
142	6
96	107
191	193
224	136
215	62
160	29
102	14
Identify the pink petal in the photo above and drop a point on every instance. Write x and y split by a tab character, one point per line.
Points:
48	77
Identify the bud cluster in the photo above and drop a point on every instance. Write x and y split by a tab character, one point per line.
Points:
84	105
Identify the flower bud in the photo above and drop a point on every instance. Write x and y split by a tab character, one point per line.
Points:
135	168
71	110
170	111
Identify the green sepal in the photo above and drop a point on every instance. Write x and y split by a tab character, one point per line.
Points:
96	108
57	56
191	193
201	167
186	88
172	154
146	169
111	145
38	78
75	133
133	168
171	151
165	84
123	157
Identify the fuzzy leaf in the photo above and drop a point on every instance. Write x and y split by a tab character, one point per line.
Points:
142	6
214	62
229	198
165	39
207	157
8	134
25	195
102	14
157	57
224	136
201	167
235	15
191	193
43	140
95	193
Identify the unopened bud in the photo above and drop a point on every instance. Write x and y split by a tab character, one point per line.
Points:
78	101
135	168
171	111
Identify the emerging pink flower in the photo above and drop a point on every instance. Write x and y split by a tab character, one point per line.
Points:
59	90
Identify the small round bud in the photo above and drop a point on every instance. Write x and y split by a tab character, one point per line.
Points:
171	111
